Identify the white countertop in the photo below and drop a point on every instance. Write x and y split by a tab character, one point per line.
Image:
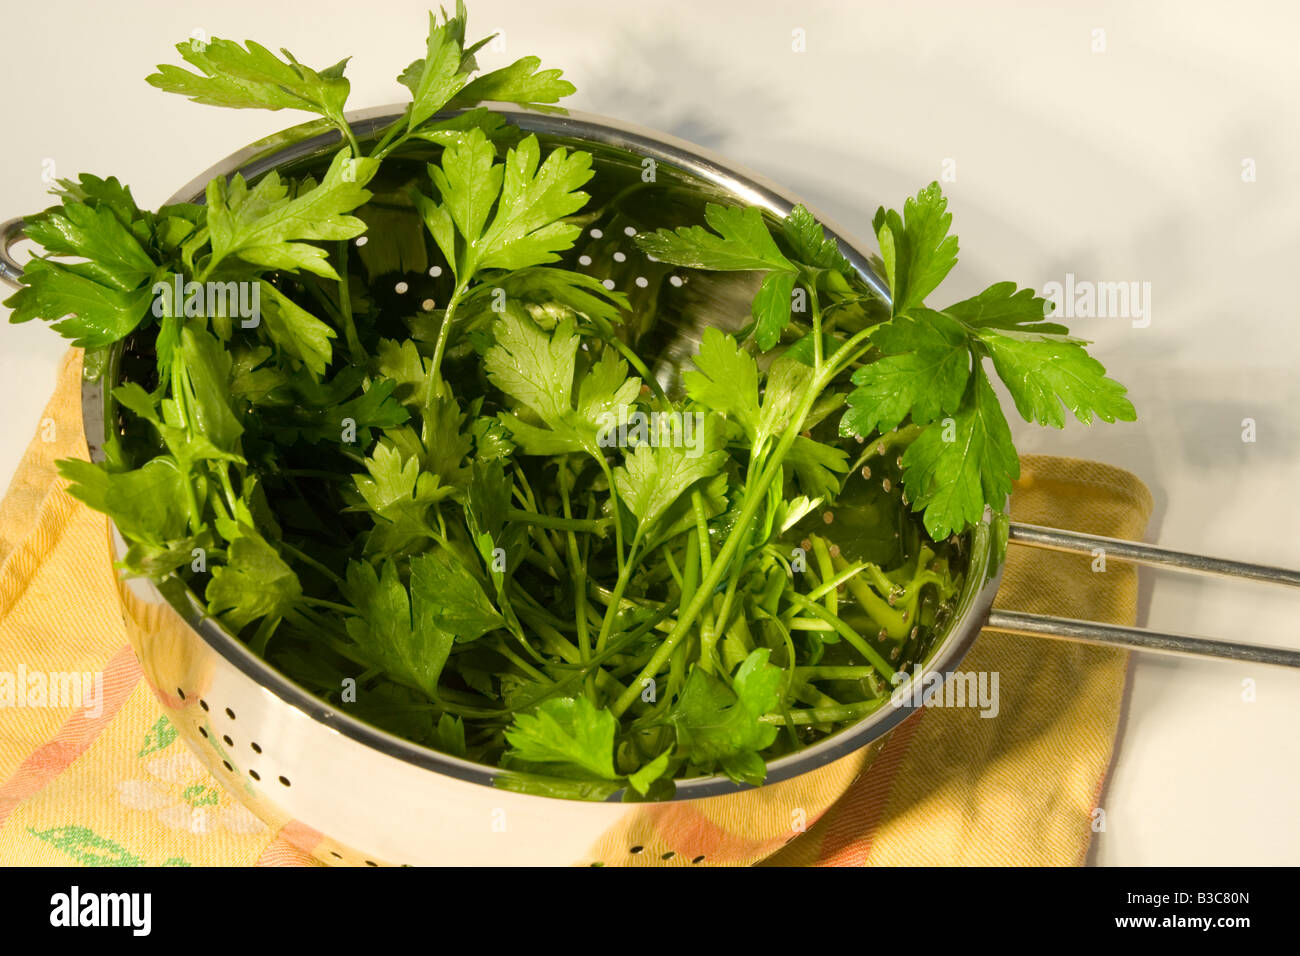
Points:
1125	164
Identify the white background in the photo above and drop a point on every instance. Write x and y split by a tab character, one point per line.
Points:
1117	165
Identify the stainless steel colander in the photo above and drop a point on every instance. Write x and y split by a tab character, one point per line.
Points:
347	792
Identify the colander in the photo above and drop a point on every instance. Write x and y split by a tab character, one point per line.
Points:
346	792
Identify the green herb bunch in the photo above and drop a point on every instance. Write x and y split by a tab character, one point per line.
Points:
426	515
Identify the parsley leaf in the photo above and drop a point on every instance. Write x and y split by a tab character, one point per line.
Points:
916	249
720	725
1043	372
296	331
537	369
653	478
809	244
818	466
923	374
956	466
206	371
550	294
1003	306
105	193
441	74
398	493
565	736
442	77
526	203
265	227
771	308
787	384
78	307
97	234
255	582
403	363
725	379
460	606
146	503
296	406
252	77
521	82
740	241
397	628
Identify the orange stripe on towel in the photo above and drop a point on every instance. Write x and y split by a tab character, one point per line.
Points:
121	674
280	852
686	829
854	820
292	846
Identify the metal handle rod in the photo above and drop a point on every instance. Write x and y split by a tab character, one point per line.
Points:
1138	638
10	271
1053	539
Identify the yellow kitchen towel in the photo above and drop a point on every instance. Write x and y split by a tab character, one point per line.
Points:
111	784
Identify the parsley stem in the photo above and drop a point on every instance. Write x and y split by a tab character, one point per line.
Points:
346	129
831	672
577	567
263	635
754	498
541	562
853	349
808	624
853	637
702	531
358	354
390	140
182	406
618	523
535	609
522	664
818	357
813	695
830	584
826	571
673	571
309	560
332	605
892	621
721	623
586	525
824	715
434	387
525	491
616	599
691	574
538	534
578	574
223	473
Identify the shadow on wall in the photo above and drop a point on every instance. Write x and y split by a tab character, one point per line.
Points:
658	82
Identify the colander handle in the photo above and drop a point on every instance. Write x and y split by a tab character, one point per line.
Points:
1139	638
10	232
